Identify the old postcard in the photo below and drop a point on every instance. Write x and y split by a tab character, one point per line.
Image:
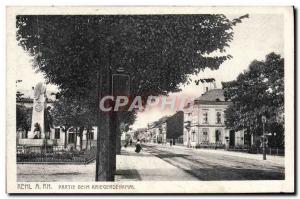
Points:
150	100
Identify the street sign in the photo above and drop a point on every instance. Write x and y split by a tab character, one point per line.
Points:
120	85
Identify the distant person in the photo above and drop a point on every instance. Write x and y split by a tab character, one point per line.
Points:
130	142
138	146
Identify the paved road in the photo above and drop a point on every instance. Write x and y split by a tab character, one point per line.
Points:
143	166
159	163
213	166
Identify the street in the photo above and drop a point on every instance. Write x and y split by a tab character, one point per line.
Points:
164	163
205	165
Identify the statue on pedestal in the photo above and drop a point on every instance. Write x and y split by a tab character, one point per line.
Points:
38	112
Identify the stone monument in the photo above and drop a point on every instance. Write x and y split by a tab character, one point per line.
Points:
37	140
38	112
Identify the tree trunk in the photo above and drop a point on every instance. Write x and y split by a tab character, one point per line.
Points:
87	137
104	135
113	140
80	136
66	137
75	144
118	136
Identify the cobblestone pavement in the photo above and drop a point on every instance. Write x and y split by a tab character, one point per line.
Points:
206	165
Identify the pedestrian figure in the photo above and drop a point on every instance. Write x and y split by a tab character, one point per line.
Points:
170	142
138	146
130	142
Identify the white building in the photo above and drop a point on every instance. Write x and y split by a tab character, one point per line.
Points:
205	116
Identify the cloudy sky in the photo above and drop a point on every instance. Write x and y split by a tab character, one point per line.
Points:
253	39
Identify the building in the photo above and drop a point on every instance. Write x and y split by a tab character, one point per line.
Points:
157	131
205	122
166	129
140	134
175	128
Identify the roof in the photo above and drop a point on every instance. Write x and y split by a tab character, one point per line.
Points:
212	97
158	122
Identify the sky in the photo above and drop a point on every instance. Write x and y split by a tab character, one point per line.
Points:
254	38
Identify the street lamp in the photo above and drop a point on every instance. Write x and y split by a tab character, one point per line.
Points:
264	138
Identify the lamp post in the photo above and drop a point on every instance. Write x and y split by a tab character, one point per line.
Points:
264	120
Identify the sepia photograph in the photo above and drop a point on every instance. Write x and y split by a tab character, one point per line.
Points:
116	100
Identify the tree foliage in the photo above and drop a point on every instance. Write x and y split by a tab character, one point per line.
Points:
256	92
23	118
158	51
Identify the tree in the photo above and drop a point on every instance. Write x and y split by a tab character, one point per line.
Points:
23	119
159	51
256	92
64	114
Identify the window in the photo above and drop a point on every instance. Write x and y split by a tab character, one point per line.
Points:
57	133
91	136
205	118
71	137
193	136
218	118
205	135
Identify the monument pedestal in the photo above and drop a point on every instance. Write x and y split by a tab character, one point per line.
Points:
38	145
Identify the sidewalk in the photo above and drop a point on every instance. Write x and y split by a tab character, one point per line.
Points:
279	160
133	166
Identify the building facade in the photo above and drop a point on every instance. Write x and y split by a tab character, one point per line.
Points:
205	122
175	125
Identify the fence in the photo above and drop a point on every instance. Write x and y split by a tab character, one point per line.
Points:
259	150
210	145
55	154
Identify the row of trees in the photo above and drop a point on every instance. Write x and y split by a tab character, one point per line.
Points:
158	51
68	113
258	92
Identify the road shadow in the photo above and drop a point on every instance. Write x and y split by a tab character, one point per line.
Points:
219	174
128	174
